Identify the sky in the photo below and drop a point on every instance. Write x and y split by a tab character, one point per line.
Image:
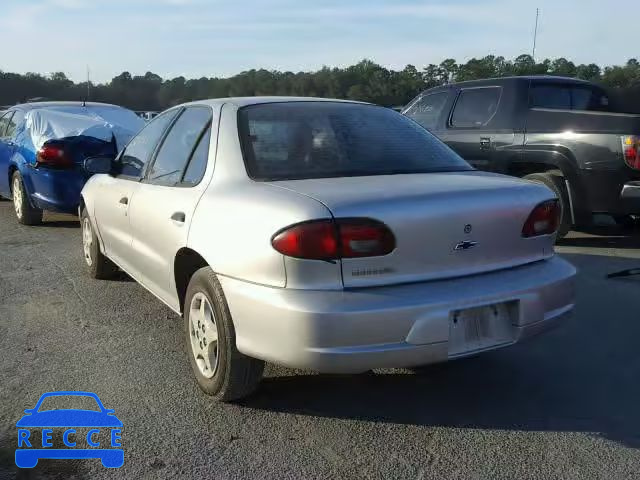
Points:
219	38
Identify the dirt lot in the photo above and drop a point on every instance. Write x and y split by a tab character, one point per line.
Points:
565	405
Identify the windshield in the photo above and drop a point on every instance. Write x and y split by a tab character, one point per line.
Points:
296	140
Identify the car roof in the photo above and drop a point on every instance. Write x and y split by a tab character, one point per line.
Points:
526	78
245	101
36	105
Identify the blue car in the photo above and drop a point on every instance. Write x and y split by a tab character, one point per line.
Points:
43	146
27	455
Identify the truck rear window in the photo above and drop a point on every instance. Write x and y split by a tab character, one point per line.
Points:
296	140
568	97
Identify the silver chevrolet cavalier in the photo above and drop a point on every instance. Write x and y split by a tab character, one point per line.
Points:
323	234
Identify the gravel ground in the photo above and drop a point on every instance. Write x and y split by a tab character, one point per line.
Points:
564	405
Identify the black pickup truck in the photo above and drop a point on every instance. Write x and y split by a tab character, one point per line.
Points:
562	132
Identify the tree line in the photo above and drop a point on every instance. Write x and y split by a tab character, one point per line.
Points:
366	81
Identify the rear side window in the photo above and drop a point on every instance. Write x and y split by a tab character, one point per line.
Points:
198	163
475	107
568	97
426	111
4	122
295	140
14	123
138	152
178	146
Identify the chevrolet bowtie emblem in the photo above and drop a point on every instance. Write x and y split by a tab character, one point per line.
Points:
466	245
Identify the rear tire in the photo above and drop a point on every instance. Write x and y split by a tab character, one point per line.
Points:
100	267
555	181
220	369
25	212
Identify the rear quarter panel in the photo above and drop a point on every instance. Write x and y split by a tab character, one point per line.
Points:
234	223
587	148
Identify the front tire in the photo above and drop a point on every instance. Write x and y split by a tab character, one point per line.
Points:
554	180
100	267
220	369
25	212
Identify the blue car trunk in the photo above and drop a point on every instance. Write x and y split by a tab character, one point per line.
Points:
57	187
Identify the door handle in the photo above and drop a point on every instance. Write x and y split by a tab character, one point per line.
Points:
178	217
124	201
485	143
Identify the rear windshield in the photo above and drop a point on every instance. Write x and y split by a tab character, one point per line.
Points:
296	140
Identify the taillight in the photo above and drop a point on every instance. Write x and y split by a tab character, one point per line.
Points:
335	239
543	220
631	151
53	156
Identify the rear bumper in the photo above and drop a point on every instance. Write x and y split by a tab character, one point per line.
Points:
613	192
55	190
399	326
630	198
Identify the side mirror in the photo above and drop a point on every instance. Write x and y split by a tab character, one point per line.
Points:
29	410
99	164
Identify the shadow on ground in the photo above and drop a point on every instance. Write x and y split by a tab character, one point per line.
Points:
604	237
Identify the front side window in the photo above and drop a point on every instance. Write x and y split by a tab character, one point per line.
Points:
138	152
475	107
295	140
426	111
178	146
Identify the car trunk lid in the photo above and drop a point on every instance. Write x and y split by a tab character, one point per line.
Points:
445	224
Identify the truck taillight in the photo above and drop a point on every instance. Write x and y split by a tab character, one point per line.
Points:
335	239
543	220
53	156
631	151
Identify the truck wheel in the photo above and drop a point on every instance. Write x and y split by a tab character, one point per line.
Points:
220	369
26	214
100	267
555	181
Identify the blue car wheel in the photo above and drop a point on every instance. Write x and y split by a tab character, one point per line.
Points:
25	212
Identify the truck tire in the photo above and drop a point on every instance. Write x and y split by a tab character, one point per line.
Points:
555	181
220	369
25	212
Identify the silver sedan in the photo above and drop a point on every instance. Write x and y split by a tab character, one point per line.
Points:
323	234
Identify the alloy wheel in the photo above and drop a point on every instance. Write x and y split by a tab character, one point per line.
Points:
17	196
87	240
204	335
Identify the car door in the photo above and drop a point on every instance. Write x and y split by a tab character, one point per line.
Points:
469	130
6	152
116	192
161	209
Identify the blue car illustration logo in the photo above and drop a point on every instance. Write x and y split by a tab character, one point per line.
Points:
105	429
